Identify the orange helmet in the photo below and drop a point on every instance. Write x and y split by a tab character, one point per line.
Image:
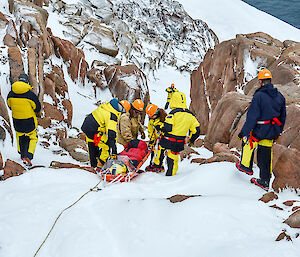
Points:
172	85
126	105
151	109
138	105
264	74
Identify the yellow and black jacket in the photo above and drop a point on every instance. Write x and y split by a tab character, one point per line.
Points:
103	121
171	91
155	124
24	104
177	124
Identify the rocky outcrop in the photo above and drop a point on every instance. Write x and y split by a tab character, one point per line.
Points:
12	169
294	220
222	119
76	147
15	63
287	170
127	82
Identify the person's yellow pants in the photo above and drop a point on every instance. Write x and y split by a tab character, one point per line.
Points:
264	156
27	143
97	153
172	160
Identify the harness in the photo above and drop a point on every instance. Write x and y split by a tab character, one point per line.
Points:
272	121
174	139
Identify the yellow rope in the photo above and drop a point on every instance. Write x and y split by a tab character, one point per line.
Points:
92	189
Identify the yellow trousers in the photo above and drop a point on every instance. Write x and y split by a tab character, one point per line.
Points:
97	153
27	143
264	156
172	160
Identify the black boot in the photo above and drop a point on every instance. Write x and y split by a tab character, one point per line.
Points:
261	183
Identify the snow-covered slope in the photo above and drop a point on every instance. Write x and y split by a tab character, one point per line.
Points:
231	17
135	219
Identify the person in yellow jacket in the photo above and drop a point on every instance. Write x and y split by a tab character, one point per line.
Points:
177	124
171	89
24	105
100	128
156	119
129	124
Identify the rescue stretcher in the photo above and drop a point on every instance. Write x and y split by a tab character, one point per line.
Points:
122	169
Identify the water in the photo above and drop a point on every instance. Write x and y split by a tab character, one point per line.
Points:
285	10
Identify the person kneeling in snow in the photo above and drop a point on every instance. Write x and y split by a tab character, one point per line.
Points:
100	128
175	128
24	105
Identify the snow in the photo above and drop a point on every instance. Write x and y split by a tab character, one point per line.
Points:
231	17
135	219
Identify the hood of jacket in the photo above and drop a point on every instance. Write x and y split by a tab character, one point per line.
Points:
178	100
20	87
269	89
108	107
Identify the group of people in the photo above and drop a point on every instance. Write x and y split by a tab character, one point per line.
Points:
120	121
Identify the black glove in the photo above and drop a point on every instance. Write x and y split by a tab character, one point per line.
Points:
167	105
240	135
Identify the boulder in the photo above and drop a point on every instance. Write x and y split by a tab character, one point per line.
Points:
268	197
293	220
9	41
223	118
221	148
287	170
127	82
76	147
12	169
96	76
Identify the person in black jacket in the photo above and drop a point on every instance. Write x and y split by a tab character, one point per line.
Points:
264	124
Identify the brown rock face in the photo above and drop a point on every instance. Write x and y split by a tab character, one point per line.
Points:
76	147
287	170
223	118
96	76
12	168
127	82
294	220
52	112
222	70
15	63
290	136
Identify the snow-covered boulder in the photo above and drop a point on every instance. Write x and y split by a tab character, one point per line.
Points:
76	148
127	82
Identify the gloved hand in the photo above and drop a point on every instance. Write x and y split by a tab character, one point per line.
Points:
143	136
167	105
240	135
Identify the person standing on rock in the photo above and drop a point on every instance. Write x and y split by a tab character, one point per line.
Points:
157	117
264	124
177	124
171	89
24	105
100	128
